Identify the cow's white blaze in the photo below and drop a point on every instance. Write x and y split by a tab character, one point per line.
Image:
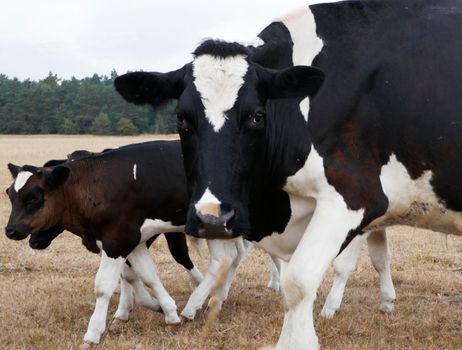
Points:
152	227
134	171
208	203
21	180
307	44
218	81
413	202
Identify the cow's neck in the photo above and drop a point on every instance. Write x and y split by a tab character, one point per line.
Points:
76	211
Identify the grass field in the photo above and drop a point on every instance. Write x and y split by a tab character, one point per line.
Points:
46	297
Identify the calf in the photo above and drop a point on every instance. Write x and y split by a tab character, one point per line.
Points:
115	202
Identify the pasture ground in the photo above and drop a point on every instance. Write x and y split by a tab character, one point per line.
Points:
46	297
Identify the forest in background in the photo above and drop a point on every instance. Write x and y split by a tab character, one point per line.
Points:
76	106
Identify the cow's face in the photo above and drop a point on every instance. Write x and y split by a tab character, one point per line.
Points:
36	200
222	124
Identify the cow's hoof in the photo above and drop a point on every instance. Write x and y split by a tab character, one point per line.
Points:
119	320
328	313
172	326
387	307
185	319
86	345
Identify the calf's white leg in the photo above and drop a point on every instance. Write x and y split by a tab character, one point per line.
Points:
105	283
380	257
274	282
320	244
220	250
133	291
344	265
144	267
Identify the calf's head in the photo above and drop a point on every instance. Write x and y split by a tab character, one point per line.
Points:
37	202
221	112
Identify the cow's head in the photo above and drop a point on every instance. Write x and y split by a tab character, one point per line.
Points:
36	201
222	98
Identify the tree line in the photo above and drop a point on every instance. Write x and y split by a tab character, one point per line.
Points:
76	106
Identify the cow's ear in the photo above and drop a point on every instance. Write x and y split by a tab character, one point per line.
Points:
57	177
150	88
14	170
297	81
54	162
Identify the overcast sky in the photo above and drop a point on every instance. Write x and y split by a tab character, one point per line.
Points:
82	37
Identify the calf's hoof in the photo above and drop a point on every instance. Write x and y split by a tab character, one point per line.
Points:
173	326
87	345
185	319
387	307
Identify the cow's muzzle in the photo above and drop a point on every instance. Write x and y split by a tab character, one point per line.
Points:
216	227
11	233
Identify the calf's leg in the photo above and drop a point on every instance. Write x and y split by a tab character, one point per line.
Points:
344	265
380	256
144	267
133	291
105	283
220	250
179	249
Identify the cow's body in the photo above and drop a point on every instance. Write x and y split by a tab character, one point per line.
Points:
379	143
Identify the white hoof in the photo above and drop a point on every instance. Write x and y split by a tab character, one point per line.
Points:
274	286
188	314
387	306
121	315
327	312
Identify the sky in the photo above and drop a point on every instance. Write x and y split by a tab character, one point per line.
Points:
82	37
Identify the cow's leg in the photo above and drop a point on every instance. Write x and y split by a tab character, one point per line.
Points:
380	257
126	300
320	244
144	267
179	249
132	289
274	281
242	248
344	265
220	250
105	283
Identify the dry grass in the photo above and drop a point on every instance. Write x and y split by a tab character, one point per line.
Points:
46	297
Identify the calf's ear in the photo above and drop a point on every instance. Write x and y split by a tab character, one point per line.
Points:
297	81
57	177
150	88
14	169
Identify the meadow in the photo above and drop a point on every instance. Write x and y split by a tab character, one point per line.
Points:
46	297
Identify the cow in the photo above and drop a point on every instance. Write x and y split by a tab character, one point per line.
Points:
348	111
115	202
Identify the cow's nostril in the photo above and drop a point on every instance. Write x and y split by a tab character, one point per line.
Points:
213	223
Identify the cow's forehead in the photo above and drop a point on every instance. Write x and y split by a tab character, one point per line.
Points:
218	81
21	180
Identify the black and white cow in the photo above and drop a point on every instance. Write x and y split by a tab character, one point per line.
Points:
378	144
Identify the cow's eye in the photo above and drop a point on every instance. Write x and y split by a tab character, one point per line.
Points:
182	123
257	120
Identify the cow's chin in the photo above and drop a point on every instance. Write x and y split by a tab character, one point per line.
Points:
210	234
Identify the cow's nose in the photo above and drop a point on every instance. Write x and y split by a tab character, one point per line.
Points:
212	225
13	234
10	233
